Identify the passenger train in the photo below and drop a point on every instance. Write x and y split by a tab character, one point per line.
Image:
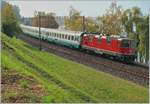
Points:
117	47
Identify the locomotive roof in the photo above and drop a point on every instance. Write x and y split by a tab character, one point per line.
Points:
77	33
118	37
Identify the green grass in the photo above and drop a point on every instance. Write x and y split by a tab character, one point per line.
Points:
68	81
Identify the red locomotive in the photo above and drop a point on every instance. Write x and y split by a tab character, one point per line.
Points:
118	47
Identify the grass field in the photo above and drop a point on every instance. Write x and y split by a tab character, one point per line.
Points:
30	75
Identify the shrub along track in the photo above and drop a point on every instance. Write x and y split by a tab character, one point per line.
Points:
134	73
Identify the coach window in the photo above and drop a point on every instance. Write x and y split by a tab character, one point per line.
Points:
55	35
65	36
75	38
71	37
59	35
47	34
78	38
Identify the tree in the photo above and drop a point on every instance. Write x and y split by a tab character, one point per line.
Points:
136	26
130	19
10	24
74	22
110	22
91	25
143	30
47	20
17	12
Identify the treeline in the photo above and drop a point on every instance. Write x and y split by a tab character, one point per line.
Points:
10	18
47	20
115	21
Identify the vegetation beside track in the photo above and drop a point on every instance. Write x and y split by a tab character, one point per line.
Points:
57	79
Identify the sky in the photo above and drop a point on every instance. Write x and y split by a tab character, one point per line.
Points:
87	8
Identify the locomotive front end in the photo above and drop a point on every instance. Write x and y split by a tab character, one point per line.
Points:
128	50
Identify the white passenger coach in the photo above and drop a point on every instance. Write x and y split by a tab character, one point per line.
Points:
64	37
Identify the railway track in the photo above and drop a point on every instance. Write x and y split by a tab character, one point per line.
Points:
137	74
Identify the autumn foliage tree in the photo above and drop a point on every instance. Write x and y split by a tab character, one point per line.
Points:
75	22
110	22
136	25
9	20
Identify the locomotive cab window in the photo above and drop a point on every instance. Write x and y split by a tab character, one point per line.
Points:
133	44
125	43
99	39
108	39
90	38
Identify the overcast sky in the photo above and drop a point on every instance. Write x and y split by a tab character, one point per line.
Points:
88	8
